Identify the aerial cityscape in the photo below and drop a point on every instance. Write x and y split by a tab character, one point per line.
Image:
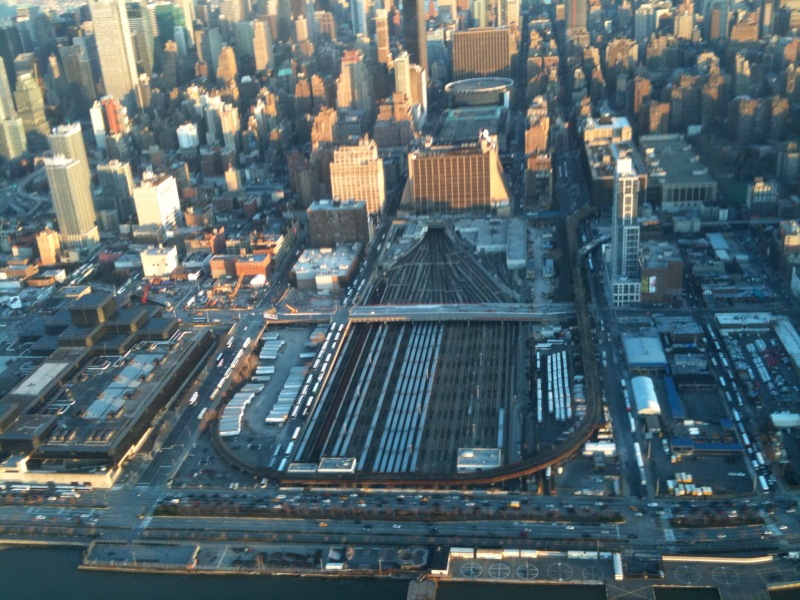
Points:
453	293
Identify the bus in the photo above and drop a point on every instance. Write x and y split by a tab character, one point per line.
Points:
202	414
194	397
296	433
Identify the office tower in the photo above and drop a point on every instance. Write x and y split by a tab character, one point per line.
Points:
311	19
447	179
13	142
78	71
402	74
169	66
116	188
480	13
354	89
226	65
209	44
164	18
67	141
483	52
683	26
142	28
10	46
262	46
415	32
30	105
382	37
625	268
72	200
243	33
300	29
187	7
508	12
116	52
157	201
358	16
28	63
357	174
7	110
222	125
233	10
716	20
575	14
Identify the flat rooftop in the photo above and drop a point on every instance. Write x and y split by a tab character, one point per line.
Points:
672	160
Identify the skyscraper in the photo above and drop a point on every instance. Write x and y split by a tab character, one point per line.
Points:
382	37
262	46
6	103
575	14
157	201
116	183
483	52
625	269
13	142
67	141
358	15
357	174
78	70
447	179
354	89
30	105
72	200
144	39
415	32
115	49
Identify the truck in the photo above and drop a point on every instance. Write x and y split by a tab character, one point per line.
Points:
514	504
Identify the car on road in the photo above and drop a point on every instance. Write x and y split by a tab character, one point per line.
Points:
323	524
397	526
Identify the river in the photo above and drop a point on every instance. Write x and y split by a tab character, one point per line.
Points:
40	573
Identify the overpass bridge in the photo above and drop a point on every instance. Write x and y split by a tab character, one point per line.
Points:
462	312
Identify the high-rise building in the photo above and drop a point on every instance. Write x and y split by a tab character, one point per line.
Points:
187	7
415	31
262	46
157	201
144	35
67	141
30	105
483	52
331	223
480	13
116	185
716	20
209	44
72	200
49	246
358	15
411	80
576	13
115	49
357	174
625	267
7	110
78	70
13	142
449	179
354	88
226	65
382	37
